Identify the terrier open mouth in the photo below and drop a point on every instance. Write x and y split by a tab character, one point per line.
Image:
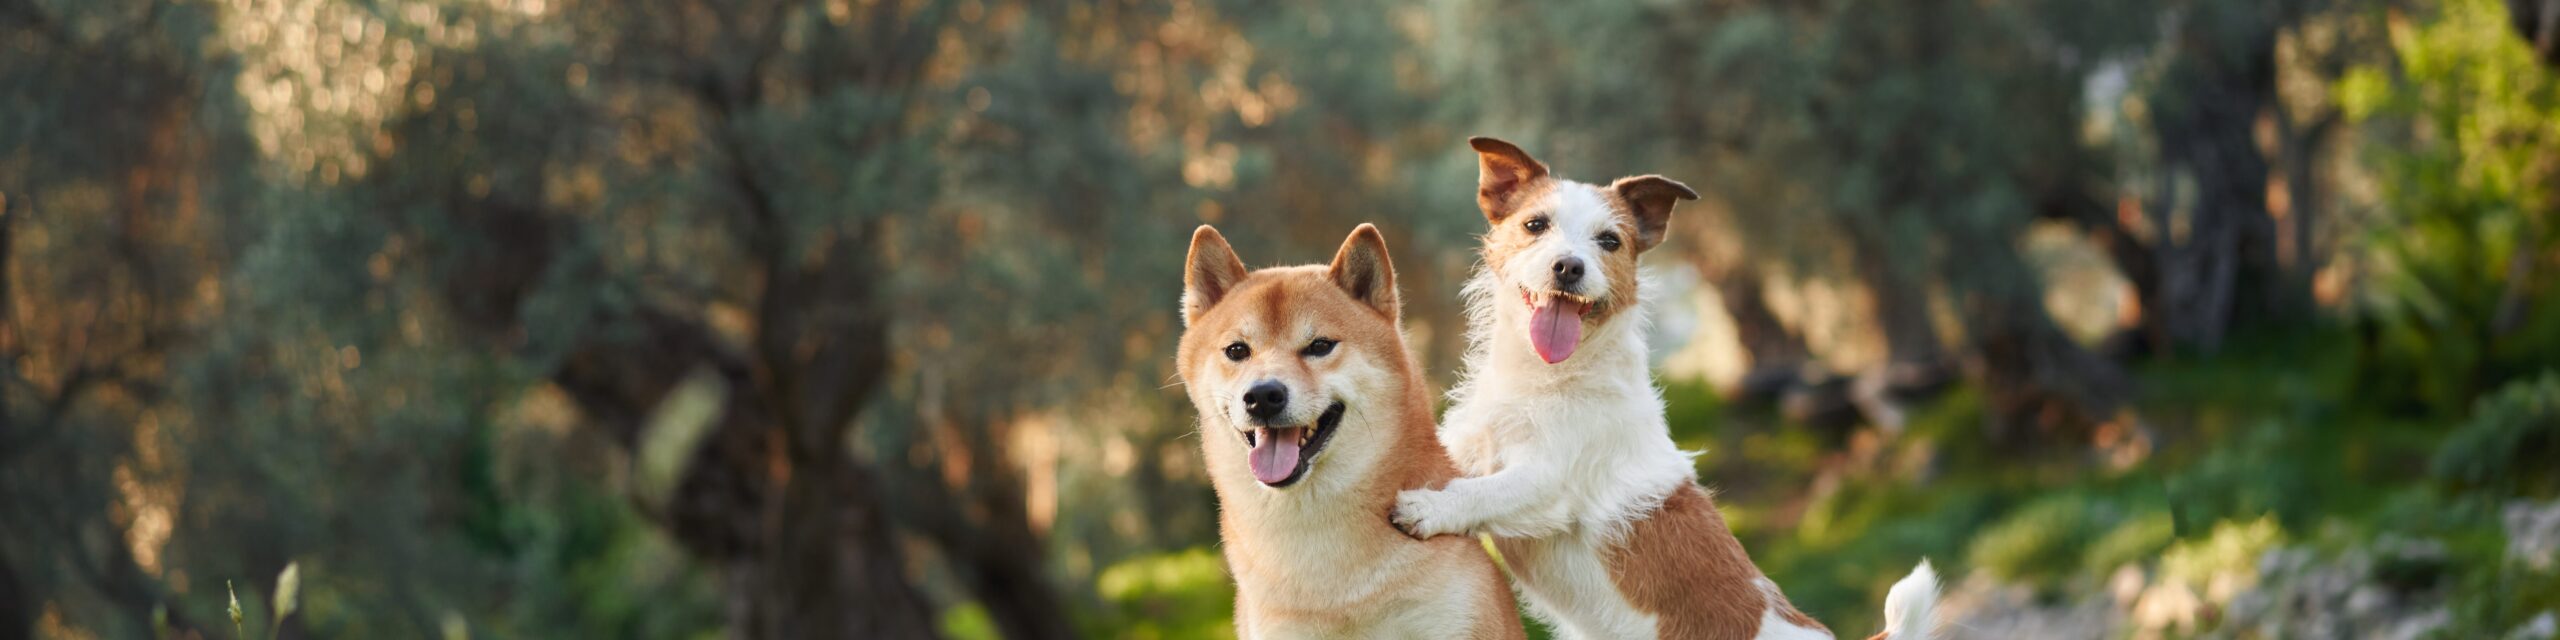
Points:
1555	322
1281	455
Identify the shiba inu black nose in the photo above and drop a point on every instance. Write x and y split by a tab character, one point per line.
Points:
1568	272
1266	399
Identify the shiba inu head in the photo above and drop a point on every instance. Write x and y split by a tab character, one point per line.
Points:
1565	250
1291	366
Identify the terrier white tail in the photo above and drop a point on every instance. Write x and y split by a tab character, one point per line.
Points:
1910	608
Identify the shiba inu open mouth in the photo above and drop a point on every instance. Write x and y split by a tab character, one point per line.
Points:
1282	455
1555	322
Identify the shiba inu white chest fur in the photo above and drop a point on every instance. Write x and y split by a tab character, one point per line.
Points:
1572	468
1312	417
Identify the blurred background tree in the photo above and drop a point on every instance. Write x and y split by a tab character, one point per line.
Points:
850	318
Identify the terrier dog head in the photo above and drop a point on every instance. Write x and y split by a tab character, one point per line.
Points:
1568	249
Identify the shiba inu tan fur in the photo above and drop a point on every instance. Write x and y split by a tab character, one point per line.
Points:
1312	417
1560	429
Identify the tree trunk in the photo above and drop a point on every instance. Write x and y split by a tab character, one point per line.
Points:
1901	303
775	498
985	533
2538	22
17	605
2218	265
2303	144
830	566
773	495
2037	382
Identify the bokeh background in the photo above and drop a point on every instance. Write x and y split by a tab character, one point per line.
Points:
854	318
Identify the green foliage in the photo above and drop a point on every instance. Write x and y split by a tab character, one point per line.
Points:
2494	600
968	621
1182	594
593	566
1903	128
1694	411
2134	540
2508	445
2225	558
2034	540
2470	184
2278	429
1840	576
2272	467
1838	559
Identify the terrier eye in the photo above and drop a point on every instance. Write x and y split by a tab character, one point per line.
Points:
1319	348
1238	352
1609	241
1536	226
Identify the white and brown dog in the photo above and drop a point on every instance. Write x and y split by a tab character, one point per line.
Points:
1561	430
1293	368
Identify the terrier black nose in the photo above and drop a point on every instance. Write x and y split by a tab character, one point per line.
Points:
1568	272
1266	399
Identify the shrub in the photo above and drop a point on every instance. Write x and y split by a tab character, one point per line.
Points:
2038	542
2137	539
2469	195
2509	442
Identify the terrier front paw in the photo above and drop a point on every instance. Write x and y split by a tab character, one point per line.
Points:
1421	514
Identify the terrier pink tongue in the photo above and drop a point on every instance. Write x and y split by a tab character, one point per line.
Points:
1275	455
1555	329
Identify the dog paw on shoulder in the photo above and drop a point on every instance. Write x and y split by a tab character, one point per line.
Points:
1422	514
1396	519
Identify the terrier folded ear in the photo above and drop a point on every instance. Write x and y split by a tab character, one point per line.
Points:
1504	175
1362	269
1650	199
1212	271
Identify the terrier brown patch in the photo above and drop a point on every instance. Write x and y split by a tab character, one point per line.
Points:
1684	566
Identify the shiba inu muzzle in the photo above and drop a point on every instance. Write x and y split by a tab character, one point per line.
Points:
1281	455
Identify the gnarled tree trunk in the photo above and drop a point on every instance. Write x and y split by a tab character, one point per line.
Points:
773	495
2036	380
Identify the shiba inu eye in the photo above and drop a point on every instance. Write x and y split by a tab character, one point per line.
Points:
1535	226
1238	352
1609	241
1319	348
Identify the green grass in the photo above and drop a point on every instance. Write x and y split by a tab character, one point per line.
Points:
1181	594
2261	441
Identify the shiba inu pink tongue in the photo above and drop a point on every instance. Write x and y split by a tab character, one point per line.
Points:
1275	455
1555	328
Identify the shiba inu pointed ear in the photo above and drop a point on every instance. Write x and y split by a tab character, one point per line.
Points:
1503	174
1650	199
1211	272
1362	269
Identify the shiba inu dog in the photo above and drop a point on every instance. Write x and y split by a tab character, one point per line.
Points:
1312	417
1559	427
